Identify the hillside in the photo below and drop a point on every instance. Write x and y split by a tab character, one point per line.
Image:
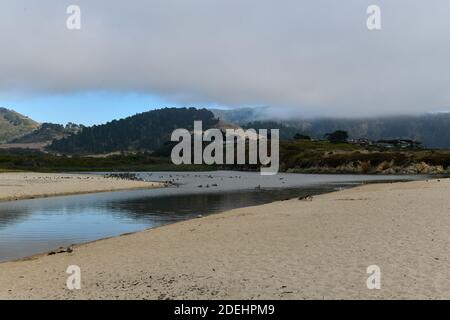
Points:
241	115
431	129
14	125
48	132
146	131
324	157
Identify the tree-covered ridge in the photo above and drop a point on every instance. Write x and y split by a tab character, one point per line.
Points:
14	125
48	132
145	131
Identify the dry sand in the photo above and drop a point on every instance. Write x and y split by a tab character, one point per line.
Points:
27	185
26	146
294	249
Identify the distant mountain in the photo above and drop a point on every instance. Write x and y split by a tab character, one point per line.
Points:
146	131
14	125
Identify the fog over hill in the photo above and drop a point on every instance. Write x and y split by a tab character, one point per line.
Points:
431	129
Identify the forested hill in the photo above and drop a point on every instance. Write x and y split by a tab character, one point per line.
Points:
144	131
433	130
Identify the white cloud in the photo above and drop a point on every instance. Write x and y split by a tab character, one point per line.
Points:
315	57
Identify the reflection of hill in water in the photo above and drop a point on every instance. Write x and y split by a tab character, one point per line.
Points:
168	209
12	216
152	210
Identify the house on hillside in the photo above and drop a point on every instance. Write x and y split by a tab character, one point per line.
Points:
360	141
399	143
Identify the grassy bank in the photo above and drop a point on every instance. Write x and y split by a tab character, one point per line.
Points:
325	157
42	162
295	156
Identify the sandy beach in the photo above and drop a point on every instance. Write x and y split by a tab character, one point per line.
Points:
294	249
29	185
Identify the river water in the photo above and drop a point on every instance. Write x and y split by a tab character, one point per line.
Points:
34	226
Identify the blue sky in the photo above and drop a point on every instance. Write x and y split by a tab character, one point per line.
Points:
86	108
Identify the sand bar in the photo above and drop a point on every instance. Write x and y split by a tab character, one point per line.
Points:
294	249
27	185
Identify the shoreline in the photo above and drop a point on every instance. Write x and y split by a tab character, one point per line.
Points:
75	245
46	196
15	186
283	250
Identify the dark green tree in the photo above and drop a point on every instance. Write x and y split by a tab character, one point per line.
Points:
338	136
299	136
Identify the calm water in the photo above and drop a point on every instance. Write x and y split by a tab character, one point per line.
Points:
33	226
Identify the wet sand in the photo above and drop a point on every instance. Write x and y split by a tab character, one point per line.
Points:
28	185
295	249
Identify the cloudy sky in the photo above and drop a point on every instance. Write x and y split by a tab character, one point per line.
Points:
309	58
